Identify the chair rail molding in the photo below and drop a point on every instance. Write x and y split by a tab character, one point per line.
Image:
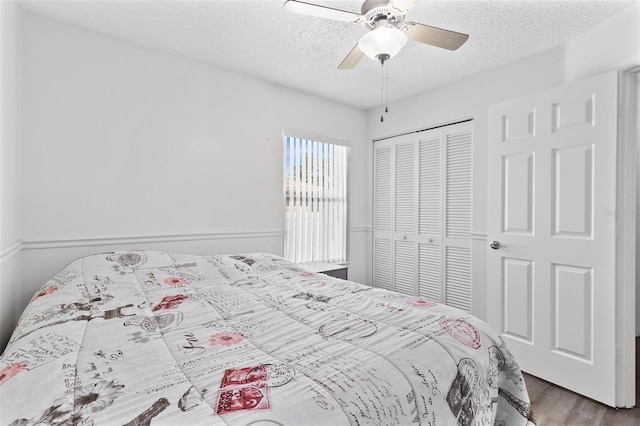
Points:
141	239
361	229
478	236
11	251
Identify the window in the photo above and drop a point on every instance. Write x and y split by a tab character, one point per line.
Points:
315	192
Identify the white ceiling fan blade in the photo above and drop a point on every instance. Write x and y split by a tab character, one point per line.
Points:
434	36
352	59
402	6
303	8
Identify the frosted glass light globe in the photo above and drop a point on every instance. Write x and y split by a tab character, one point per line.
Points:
384	39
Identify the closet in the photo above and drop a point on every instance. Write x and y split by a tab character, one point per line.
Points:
422	214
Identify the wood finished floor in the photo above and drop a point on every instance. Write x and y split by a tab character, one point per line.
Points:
555	406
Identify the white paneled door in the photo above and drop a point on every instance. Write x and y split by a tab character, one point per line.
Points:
551	272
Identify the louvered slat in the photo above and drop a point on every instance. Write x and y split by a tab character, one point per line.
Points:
429	275
382	263
430	187
404	267
458	278
404	188
458	185
382	189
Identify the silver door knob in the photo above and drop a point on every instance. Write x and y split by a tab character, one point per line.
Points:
495	245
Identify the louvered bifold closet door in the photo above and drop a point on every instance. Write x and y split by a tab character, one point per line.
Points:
457	215
430	215
383	215
404	254
422	214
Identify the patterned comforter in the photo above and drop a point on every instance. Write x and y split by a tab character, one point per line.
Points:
155	338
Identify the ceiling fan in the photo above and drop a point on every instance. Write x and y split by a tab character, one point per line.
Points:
388	33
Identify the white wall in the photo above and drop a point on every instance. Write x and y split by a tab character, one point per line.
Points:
613	44
129	147
10	237
615	41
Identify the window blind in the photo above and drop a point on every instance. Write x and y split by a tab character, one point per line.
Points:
315	189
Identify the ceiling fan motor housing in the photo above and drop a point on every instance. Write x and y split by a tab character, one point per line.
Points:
375	10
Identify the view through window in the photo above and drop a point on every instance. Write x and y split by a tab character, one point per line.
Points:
315	191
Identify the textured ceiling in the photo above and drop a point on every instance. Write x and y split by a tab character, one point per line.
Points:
259	38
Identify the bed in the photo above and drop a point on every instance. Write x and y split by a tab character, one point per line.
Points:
157	338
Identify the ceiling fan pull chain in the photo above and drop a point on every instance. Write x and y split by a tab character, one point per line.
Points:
386	94
381	90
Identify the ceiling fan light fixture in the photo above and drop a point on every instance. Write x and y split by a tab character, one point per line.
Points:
384	40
